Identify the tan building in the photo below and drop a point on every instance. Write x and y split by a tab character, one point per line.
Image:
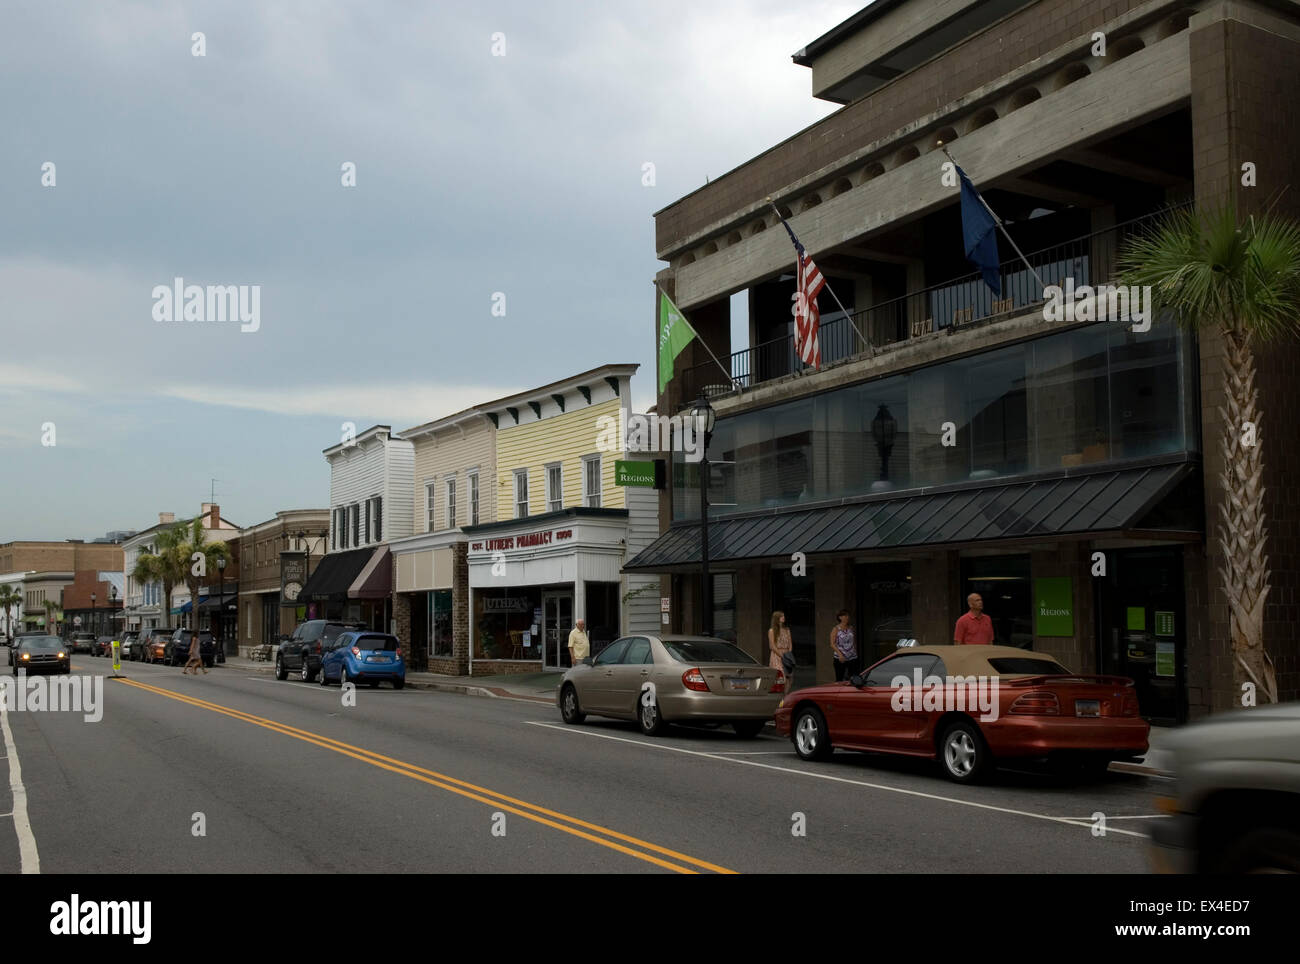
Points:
68	556
276	557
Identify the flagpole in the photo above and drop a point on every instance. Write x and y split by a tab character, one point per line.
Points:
730	378
998	221
865	340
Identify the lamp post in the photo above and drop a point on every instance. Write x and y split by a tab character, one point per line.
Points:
221	609
112	607
884	429
703	415
92	614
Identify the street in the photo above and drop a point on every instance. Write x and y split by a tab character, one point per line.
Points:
234	772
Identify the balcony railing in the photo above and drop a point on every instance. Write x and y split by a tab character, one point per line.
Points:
961	302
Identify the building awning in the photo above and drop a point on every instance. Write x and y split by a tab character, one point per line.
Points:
375	581
334	575
1114	501
182	610
209	603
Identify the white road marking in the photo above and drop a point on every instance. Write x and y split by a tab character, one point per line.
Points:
1070	821
27	852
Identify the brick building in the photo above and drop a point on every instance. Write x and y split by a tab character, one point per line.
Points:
277	557
955	440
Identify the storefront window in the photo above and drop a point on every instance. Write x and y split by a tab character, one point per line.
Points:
794	596
724	605
884	615
440	626
1003	584
504	621
602	614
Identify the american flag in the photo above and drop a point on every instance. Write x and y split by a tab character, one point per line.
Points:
808	284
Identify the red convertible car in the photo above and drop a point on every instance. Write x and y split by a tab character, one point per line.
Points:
970	707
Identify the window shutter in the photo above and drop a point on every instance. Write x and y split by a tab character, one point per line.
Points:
379	518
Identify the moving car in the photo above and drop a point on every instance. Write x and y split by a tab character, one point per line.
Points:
1009	704
129	639
176	651
153	643
103	646
82	642
660	680
1234	804
363	657
302	652
41	654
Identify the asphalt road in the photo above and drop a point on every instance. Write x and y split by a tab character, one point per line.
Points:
284	778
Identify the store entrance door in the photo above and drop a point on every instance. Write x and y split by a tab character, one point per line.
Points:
557	622
1142	628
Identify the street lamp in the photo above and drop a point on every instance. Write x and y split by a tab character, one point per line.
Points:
112	597
703	418
221	609
92	614
884	429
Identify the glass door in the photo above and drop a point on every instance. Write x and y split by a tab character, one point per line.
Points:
557	623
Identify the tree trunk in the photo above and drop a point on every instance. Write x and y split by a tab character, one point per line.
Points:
1243	532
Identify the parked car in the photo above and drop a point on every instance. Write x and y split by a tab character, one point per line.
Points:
363	657
1036	710
693	679
82	642
17	638
176	651
103	646
153	643
302	652
127	648
41	654
1234	804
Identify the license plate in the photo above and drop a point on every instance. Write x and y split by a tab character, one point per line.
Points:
1087	707
377	659
736	683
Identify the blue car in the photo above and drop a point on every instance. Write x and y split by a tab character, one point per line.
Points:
363	657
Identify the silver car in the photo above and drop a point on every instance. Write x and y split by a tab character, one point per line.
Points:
658	680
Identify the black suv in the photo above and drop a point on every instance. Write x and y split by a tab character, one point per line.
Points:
177	650
302	651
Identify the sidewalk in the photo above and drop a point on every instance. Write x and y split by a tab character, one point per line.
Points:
1158	761
539	687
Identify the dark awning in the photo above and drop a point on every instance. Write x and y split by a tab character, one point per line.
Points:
375	581
1059	506
334	575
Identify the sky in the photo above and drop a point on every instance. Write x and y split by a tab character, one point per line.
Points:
499	150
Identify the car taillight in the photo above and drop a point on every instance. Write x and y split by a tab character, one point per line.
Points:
1037	703
779	685
1130	705
693	679
355	651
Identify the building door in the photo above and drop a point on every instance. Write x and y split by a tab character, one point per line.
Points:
1142	628
795	596
557	622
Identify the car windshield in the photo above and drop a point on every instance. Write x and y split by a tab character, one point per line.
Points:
43	643
374	642
332	630
1027	666
706	651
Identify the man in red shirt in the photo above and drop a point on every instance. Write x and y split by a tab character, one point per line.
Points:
974	627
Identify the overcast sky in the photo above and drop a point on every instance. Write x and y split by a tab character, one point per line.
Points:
475	174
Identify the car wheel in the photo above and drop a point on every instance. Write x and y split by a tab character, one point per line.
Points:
280	672
570	712
1266	850
321	678
748	729
963	752
305	673
648	715
398	683
812	741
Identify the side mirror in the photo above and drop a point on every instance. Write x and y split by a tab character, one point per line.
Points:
589	661
858	680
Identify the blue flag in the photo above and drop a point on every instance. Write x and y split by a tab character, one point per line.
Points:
979	234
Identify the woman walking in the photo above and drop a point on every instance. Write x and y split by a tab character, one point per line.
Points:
780	646
844	646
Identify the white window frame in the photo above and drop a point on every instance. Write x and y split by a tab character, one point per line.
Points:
587	494
449	489
551	497
430	486
471	496
521	474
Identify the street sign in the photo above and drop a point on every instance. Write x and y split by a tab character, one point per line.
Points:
641	474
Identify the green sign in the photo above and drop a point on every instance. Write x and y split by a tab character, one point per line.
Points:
675	333
1136	619
634	473
1054	615
1164	623
1164	659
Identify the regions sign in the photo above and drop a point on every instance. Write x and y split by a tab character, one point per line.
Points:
1054	613
640	474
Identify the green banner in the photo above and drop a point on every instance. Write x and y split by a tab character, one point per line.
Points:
634	473
675	333
1054	614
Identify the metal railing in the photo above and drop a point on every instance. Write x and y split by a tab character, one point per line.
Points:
1089	260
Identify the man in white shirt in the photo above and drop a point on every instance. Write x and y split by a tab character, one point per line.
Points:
579	646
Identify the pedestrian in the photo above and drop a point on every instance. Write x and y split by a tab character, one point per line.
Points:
579	645
196	657
781	648
844	647
973	628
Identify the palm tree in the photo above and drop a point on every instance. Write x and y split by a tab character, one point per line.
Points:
1242	279
52	616
165	564
9	598
199	557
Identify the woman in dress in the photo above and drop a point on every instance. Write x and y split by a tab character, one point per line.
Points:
778	644
844	646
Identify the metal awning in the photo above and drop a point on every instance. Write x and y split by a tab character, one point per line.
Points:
1114	501
335	574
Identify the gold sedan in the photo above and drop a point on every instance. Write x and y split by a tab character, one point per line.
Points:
659	680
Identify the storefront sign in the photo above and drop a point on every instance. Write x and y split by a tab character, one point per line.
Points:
1135	619
293	575
634	473
506	604
1055	612
665	604
529	540
1164	623
1164	659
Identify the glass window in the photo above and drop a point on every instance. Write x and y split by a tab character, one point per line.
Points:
440	625
591	481
554	488
637	652
473	498
521	493
379	518
356	523
724	605
612	653
706	651
451	503
1003	584
903	664
429	524
1040	666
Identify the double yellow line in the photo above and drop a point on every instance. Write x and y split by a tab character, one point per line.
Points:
679	863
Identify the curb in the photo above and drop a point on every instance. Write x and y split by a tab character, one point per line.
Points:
494	692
